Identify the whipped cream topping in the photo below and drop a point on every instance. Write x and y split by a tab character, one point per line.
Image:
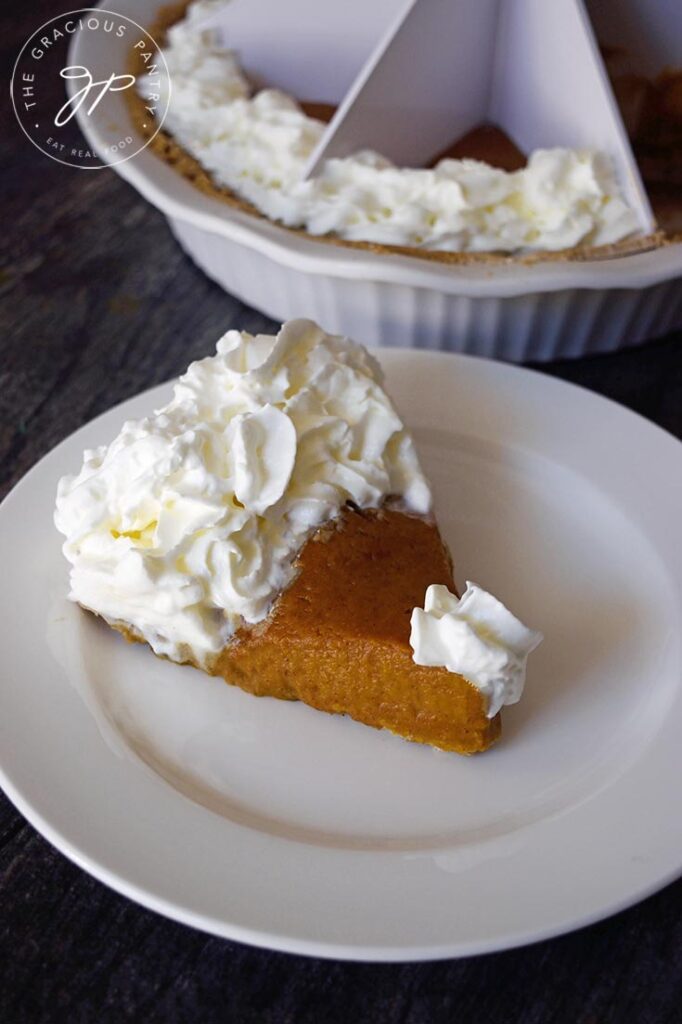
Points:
188	523
258	146
476	637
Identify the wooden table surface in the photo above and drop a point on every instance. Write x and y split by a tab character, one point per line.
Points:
99	303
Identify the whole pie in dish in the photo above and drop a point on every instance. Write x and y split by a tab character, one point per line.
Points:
479	199
272	525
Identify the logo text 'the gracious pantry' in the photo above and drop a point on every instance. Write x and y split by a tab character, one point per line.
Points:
70	82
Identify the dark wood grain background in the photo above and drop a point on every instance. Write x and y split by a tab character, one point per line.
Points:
98	303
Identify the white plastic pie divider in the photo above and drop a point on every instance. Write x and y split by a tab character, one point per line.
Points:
427	71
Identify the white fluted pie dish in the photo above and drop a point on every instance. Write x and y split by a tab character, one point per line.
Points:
509	310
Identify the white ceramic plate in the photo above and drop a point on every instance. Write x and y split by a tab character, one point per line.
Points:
273	824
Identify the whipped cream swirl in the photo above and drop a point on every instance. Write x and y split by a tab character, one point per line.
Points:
259	145
476	637
187	525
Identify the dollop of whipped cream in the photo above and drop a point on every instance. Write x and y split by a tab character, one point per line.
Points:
476	637
187	525
258	146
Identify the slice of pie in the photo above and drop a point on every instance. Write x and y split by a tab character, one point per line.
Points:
272	525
